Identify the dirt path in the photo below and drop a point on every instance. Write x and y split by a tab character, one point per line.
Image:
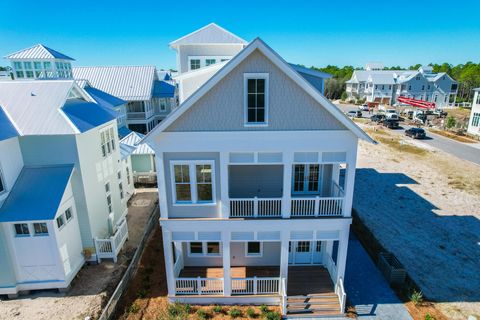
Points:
93	284
424	207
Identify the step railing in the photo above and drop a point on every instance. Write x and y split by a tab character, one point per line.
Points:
317	207
342	296
199	286
110	247
255	207
256	285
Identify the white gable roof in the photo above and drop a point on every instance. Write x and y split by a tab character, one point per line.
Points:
130	83
210	34
132	140
38	51
280	63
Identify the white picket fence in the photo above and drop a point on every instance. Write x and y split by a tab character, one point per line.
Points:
199	286
109	248
256	208
260	285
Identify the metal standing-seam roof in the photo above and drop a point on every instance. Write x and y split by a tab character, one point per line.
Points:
163	89
130	83
7	129
133	139
37	194
210	34
38	51
37	107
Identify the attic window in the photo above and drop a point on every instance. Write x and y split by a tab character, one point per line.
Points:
256	98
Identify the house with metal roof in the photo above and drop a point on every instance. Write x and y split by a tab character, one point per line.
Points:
384	86
149	99
253	209
40	62
474	121
63	183
142	158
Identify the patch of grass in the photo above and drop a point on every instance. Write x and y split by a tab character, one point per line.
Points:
453	136
234	312
217	309
416	297
429	317
202	314
178	310
457	184
264	309
251	313
273	315
134	308
361	120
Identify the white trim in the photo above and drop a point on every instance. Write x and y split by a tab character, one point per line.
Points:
203	61
254	255
279	62
246	77
193	182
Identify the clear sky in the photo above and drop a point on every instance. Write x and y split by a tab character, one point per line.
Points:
106	32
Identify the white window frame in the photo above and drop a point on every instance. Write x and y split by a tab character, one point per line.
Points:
192	164
253	255
204	250
246	77
203	60
63	224
109	141
67	219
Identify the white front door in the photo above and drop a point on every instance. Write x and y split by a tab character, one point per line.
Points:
305	252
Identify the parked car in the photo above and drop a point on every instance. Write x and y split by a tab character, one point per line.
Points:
391	123
354	114
364	107
392	116
377	118
416	133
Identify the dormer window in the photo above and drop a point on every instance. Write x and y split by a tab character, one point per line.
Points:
256	98
194	64
210	62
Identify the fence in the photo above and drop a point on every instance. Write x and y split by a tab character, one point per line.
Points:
110	309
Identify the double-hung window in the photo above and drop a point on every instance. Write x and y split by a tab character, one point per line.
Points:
475	121
256	98
40	229
193	181
253	249
107	138
21	230
109	197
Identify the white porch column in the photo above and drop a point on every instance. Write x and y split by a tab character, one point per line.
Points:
342	252
227	280
162	192
285	239
225	207
349	182
287	184
168	253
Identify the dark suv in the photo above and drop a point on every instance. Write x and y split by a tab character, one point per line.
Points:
391	124
416	133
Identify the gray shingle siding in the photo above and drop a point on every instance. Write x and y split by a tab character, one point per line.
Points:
222	108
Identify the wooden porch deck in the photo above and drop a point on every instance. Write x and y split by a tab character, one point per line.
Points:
235	272
308	280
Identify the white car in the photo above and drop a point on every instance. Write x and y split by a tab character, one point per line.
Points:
363	107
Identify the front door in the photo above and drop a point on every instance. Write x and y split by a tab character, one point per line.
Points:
305	252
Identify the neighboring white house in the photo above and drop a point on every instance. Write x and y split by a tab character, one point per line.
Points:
384	86
149	97
256	175
40	62
63	189
142	158
474	123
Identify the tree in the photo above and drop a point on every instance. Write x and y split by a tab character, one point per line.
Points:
344	96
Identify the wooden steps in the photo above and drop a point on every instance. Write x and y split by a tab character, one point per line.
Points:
314	305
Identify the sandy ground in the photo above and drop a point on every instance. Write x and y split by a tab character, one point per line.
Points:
93	284
424	206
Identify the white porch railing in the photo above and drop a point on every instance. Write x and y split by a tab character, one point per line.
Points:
256	285
199	286
331	267
342	296
317	207
255	208
136	115
109	248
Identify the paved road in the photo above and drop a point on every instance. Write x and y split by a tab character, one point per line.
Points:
470	152
367	289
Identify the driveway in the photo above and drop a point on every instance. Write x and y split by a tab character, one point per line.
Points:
367	289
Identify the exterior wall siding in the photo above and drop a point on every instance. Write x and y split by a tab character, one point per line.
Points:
11	163
222	108
192	211
205	50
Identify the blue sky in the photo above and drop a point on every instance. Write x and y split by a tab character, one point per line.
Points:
106	32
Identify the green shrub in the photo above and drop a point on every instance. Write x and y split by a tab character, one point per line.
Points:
179	310
273	315
234	312
133	308
202	314
416	297
429	317
264	309
251	313
217	309
451	122
344	96
142	293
